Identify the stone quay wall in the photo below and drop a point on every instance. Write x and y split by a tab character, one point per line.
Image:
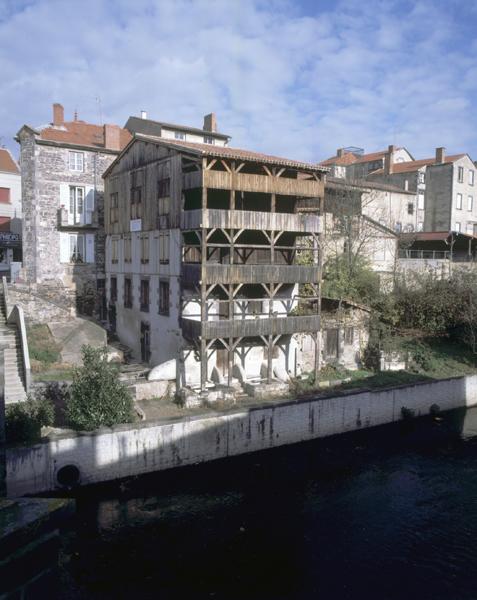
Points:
128	450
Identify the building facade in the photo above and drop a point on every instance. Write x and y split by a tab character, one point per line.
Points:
10	212
62	191
202	259
352	163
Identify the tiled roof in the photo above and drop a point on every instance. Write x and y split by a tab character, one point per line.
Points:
349	158
7	163
364	183
150	127
415	165
234	153
81	134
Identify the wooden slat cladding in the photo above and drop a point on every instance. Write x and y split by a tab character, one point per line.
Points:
251	274
146	164
249	219
193	329
223	180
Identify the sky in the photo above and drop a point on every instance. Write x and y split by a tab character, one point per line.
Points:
295	79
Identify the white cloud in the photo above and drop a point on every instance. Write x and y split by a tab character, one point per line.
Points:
288	81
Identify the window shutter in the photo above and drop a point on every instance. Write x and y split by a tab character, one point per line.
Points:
64	248
65	200
89	203
90	248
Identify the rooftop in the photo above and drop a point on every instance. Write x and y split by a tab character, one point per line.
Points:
350	158
150	127
80	133
362	184
415	165
233	153
7	163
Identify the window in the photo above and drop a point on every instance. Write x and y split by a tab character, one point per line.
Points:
398	227
331	347
144	249
470	203
77	249
4	195
349	335
163	195
76	203
420	201
471	177
128	299
410	208
179	135
457	227
460	174
76	161
127	248
208	139
420	226
113	289
113	208
164	248
421	177
458	203
136	195
164	188
114	251
144	297
470	228
163	297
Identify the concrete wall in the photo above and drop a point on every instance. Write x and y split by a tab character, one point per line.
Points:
125	451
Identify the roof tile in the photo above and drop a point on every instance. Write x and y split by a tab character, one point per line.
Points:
7	163
81	134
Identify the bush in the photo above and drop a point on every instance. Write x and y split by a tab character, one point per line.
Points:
24	420
97	396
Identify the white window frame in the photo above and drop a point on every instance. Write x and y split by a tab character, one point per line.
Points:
179	135
76	161
208	139
458	201
164	248
471	177
458	227
470	203
77	248
420	226
420	202
77	203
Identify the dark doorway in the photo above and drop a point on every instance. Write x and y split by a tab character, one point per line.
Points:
145	342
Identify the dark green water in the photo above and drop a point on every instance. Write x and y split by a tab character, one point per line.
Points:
389	513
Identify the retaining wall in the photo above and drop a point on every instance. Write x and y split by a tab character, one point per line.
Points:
128	450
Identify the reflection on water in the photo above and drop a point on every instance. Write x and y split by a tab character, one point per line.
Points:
383	514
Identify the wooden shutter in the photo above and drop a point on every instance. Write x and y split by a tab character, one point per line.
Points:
90	248
64	248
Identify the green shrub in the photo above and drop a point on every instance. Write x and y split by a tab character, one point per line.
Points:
24	420
41	345
97	397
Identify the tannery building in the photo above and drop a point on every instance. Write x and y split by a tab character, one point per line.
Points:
205	251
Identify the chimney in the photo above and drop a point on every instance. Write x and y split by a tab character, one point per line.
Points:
340	152
58	114
389	160
210	123
143	114
440	155
112	139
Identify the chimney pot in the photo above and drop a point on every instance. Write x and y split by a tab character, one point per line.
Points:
340	152
58	114
391	148
440	155
112	137
143	114
210	123
389	161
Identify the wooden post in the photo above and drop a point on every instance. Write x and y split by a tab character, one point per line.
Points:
270	359
203	296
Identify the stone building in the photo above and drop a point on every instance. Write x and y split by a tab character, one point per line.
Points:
352	163
62	190
10	212
201	259
445	188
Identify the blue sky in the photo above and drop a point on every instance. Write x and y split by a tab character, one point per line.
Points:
296	79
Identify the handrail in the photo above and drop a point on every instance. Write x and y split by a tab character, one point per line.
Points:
15	316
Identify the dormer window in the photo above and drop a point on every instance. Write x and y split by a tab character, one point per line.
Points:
208	139
179	135
76	161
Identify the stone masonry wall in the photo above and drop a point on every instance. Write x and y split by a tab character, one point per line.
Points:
43	304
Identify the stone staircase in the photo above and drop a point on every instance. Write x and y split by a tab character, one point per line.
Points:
10	337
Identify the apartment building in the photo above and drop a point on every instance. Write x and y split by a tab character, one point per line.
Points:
10	212
445	188
202	259
352	163
62	190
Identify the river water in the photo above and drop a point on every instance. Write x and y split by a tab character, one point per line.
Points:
389	513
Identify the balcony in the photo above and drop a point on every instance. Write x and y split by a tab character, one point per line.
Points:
251	327
223	180
87	220
250	219
227	274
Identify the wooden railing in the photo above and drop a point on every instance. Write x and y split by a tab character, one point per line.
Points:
223	180
251	273
250	219
250	327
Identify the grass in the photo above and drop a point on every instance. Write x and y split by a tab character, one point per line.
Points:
430	358
42	346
